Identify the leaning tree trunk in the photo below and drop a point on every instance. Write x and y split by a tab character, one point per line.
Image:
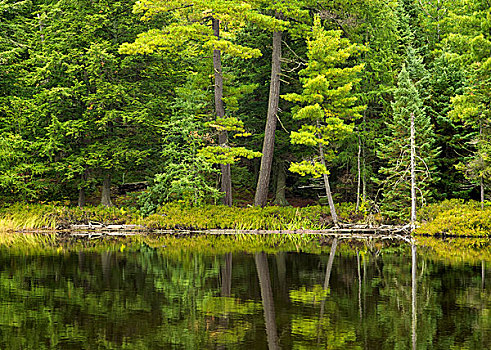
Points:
106	191
269	133
226	181
332	208
280	198
326	285
226	291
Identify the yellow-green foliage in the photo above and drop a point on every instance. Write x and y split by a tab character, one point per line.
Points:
456	250
171	216
456	218
48	216
221	217
28	216
27	242
178	246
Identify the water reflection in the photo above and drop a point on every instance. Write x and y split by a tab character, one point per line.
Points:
353	295
414	286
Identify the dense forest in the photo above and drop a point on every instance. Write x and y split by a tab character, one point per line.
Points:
245	102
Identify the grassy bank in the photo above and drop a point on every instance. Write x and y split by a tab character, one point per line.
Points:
52	217
455	218
447	218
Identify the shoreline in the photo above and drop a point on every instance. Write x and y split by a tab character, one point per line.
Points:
451	218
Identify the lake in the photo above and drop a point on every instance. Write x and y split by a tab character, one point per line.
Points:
344	294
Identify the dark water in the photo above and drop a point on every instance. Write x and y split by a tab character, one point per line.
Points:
398	298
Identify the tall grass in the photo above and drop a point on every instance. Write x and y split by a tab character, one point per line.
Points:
19	217
251	218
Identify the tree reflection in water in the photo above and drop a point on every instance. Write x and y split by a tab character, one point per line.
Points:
348	295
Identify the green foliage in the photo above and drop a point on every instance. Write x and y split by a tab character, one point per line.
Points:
84	110
470	45
226	154
219	217
189	27
89	89
171	216
327	98
314	169
176	185
456	218
184	174
395	150
55	216
456	251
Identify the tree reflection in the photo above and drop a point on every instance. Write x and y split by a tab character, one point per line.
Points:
414	319
261	260
146	298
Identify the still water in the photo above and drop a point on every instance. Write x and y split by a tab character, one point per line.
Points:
350	295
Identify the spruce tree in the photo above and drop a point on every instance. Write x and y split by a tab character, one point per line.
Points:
470	43
394	149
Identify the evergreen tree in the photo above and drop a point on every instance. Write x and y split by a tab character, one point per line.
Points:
198	27
394	149
327	99
85	115
293	11
469	41
451	136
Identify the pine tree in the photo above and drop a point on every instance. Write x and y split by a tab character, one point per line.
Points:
327	99
394	149
194	29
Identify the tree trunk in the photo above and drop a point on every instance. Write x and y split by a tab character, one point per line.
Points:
481	184
81	191
81	197
106	267
483	273
481	180
226	178
413	175
280	198
360	310
106	191
261	196
332	208
364	175
267	298
358	188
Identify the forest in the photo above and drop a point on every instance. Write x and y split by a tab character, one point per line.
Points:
251	102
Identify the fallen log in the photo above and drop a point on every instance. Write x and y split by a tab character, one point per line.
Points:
101	227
